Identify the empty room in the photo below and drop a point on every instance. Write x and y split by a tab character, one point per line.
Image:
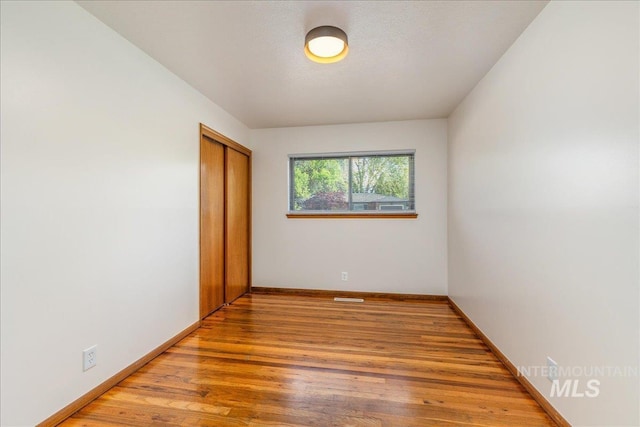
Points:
320	213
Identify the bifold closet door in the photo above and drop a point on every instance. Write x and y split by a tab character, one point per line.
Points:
237	225
212	211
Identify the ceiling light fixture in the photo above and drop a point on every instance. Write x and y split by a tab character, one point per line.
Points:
326	44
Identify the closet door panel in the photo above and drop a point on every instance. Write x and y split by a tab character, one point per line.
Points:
211	226
237	225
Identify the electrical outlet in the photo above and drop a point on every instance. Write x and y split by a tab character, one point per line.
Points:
89	357
552	369
345	276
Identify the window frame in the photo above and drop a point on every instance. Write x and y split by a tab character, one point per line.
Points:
390	214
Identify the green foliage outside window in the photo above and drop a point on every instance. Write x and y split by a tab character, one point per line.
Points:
343	183
381	175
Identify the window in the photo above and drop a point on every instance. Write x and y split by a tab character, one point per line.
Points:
348	184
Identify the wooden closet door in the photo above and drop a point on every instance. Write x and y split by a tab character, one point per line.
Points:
211	226
237	225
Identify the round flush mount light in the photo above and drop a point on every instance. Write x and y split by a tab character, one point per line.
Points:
326	44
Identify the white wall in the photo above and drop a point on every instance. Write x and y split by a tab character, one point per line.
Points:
543	202
99	204
380	255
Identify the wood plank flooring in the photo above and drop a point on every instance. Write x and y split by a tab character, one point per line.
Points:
281	360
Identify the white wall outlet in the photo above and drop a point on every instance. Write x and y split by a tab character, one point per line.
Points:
345	276
89	357
552	369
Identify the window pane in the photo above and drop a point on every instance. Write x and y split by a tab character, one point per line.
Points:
381	183
356	183
320	184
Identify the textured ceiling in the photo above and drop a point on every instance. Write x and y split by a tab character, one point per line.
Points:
407	59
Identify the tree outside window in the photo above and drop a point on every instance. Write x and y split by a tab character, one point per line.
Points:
352	182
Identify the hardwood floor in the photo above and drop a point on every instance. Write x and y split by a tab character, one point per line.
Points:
281	360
